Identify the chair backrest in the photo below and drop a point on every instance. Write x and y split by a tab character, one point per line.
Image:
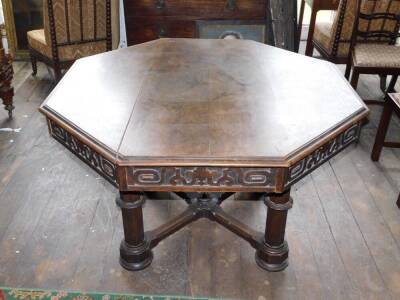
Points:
346	15
377	21
75	22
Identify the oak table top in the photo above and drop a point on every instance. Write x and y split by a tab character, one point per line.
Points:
185	115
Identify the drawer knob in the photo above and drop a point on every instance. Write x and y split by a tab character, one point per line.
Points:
231	5
160	4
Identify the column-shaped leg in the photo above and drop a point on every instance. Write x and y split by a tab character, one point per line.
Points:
354	78
273	254
135	253
57	73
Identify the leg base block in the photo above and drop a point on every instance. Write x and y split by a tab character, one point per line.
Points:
273	259
135	258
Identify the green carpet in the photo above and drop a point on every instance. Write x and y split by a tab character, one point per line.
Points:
34	294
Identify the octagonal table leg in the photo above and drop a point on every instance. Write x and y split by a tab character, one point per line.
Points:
135	252
273	254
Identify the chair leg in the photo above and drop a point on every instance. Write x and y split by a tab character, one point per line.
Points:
382	130
392	84
398	202
354	79
310	46
57	73
34	64
300	25
7	96
383	79
348	69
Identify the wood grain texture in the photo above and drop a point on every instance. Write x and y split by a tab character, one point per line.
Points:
144	29
240	106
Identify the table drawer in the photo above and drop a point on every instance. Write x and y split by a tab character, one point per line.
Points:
143	29
226	9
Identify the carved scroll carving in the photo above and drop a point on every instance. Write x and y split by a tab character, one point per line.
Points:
103	166
323	153
202	176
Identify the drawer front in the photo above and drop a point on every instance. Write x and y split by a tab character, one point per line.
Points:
144	29
225	9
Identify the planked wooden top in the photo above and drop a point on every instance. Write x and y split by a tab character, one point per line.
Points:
184	101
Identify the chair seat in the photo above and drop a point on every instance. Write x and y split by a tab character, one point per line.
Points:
37	41
324	39
376	56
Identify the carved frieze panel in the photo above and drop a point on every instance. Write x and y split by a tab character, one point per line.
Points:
201	177
103	166
323	153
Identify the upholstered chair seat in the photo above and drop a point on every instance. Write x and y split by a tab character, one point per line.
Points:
37	40
376	56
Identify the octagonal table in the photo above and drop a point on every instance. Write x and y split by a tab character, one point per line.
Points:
204	119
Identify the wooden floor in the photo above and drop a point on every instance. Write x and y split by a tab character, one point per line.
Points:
60	227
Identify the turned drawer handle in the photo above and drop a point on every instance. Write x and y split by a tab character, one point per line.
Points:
160	4
231	5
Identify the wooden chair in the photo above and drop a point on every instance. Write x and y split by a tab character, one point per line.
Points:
373	49
332	39
392	104
72	29
316	6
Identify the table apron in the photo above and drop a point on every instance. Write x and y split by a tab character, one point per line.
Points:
204	178
201	179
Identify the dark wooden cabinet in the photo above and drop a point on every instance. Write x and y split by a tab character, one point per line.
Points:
151	19
221	9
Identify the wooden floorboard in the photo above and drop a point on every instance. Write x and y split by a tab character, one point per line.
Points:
354	252
372	224
334	278
60	227
379	187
